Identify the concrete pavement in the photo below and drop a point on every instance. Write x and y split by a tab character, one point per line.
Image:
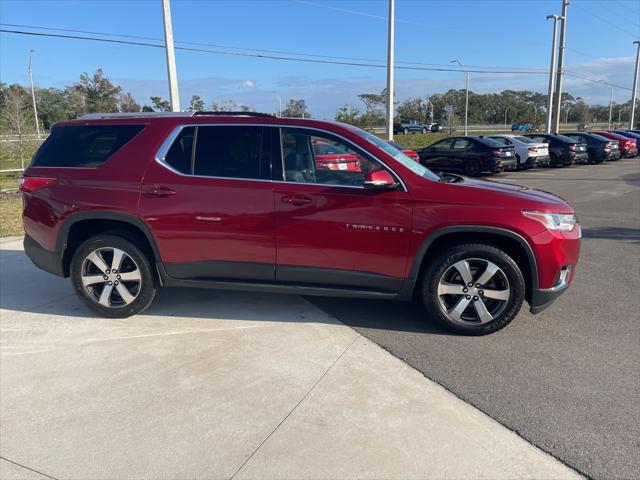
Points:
212	384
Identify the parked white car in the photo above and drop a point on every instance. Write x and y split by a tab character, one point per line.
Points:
529	153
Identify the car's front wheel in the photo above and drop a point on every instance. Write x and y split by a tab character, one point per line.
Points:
113	276
473	288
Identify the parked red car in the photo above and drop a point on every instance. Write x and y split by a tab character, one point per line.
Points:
329	156
412	154
126	203
628	146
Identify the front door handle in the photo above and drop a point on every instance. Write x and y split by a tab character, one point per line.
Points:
159	191
297	200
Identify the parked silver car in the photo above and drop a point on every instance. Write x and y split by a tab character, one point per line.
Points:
529	153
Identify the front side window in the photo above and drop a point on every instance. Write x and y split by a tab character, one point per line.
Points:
462	144
443	144
313	157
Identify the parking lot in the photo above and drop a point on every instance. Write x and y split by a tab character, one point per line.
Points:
567	379
215	385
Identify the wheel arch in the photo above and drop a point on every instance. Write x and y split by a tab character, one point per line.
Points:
81	226
511	242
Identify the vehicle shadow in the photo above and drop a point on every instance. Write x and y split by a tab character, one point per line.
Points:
613	233
33	291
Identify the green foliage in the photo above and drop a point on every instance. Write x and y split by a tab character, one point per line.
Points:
158	104
196	104
296	108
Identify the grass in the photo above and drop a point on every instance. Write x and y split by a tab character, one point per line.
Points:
10	214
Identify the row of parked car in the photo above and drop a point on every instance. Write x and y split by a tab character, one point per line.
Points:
475	155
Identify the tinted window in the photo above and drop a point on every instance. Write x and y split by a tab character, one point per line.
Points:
83	145
230	151
540	139
562	138
314	157
490	142
443	144
462	143
524	139
179	155
501	140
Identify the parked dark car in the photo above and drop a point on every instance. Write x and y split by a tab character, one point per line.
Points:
436	127
471	155
629	134
520	127
599	148
118	202
562	150
628	146
410	126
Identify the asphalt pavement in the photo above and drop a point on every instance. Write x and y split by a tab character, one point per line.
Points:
568	379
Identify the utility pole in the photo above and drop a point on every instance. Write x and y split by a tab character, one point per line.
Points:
466	101
33	95
279	103
171	57
505	116
552	69
635	87
560	69
390	71
610	104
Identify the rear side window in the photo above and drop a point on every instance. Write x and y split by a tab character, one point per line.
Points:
83	145
230	152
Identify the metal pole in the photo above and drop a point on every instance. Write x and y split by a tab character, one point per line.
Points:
390	72
505	116
559	71
466	86
610	105
635	87
33	95
552	70
171	57
279	104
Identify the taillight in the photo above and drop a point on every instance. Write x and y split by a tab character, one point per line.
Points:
496	153
31	184
572	146
607	146
533	149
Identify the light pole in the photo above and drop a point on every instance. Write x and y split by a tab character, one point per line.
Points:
505	116
610	104
390	71
171	57
33	95
635	87
466	87
552	69
560	68
279	104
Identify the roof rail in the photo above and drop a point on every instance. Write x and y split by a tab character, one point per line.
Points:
232	114
97	116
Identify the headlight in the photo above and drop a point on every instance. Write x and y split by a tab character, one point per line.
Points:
563	222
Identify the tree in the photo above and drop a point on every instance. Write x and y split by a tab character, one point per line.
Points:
414	109
158	104
94	93
17	115
196	104
126	103
53	106
348	114
296	109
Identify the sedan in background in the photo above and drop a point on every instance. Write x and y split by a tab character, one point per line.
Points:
628	146
529	153
562	150
521	127
329	156
412	154
599	148
629	134
471	155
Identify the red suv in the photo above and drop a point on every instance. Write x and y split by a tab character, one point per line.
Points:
127	203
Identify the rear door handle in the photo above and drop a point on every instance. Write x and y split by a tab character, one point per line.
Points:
297	200
158	191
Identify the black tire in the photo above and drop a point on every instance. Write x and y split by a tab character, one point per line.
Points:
445	260
144	289
472	167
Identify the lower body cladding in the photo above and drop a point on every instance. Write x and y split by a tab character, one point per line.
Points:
498	164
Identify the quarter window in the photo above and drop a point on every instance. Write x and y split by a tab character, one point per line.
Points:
310	157
181	152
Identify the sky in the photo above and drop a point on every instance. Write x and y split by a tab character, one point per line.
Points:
507	34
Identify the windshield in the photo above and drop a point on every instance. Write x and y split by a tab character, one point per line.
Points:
412	165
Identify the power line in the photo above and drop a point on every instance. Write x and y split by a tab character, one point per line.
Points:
270	57
604	20
306	60
138	37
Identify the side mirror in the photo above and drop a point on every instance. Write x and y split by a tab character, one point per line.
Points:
379	180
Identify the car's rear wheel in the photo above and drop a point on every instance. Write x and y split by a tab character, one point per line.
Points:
472	167
473	288
113	276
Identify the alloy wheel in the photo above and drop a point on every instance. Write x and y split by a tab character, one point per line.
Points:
473	291
111	277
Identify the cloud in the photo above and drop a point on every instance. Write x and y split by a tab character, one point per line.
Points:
248	84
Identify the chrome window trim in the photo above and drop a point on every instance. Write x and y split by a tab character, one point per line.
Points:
162	151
